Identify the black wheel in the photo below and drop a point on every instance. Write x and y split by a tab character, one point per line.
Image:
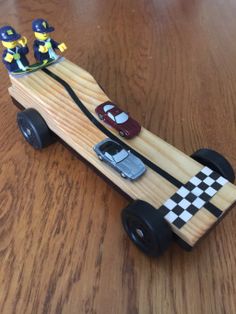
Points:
215	161
100	116
100	157
123	175
122	133
34	128
147	228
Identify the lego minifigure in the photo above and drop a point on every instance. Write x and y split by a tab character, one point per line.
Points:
44	46
14	57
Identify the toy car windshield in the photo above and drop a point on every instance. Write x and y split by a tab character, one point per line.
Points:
108	107
121	118
110	147
114	150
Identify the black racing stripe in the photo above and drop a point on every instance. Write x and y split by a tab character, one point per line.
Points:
210	207
213	209
99	125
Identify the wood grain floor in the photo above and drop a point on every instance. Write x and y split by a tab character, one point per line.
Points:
172	65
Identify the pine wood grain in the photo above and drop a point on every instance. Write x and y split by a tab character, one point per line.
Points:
171	64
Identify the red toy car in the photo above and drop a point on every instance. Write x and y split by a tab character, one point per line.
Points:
118	119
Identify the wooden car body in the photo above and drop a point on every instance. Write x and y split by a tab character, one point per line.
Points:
168	169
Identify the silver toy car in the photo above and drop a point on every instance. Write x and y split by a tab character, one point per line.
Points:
128	165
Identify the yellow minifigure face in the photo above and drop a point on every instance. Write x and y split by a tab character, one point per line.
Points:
9	44
41	36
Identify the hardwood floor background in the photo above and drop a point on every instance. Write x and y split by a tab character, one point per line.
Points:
172	65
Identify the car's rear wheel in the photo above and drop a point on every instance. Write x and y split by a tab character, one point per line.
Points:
100	116
215	161
34	128
147	228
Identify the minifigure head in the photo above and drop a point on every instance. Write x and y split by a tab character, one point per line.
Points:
41	29
41	36
9	44
9	36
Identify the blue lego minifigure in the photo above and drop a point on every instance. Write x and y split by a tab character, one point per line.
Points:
14	57
44	46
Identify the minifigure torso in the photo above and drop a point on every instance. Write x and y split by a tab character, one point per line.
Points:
19	62
50	54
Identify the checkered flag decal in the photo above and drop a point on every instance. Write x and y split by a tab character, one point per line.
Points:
192	196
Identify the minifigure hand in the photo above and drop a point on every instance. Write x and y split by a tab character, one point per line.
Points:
23	41
62	47
43	49
9	57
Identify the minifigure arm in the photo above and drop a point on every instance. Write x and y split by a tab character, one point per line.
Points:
56	45
39	47
36	45
23	50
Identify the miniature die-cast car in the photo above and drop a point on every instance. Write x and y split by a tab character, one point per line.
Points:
128	165
118	119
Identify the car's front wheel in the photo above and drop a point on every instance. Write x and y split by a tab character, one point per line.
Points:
122	133
123	175
147	228
100	157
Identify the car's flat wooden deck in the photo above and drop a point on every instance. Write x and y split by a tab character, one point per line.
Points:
63	116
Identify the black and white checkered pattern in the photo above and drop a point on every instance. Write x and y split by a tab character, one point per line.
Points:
192	196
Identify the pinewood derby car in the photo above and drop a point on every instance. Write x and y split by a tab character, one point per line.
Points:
178	197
